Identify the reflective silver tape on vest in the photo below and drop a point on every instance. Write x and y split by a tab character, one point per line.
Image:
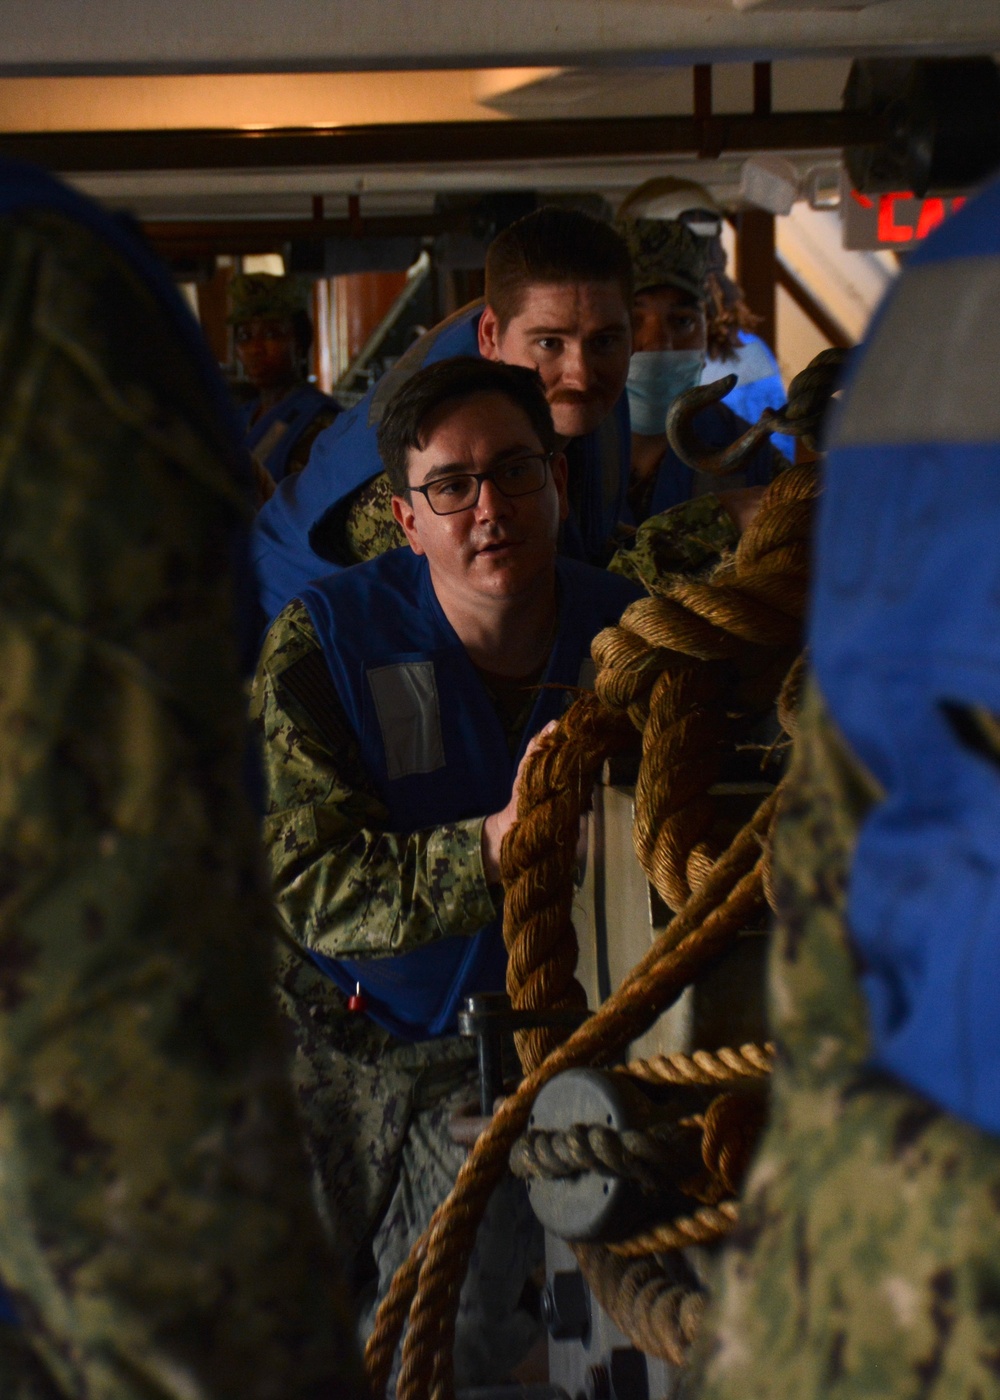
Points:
903	394
409	716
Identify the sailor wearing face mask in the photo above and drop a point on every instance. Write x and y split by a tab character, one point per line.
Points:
732	346
670	334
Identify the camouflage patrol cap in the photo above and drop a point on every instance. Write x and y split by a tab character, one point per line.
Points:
665	253
264	294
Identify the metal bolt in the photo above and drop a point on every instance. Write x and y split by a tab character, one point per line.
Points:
598	1383
565	1306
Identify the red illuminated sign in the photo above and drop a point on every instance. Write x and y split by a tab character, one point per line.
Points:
896	220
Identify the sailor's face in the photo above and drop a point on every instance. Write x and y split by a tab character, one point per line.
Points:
265	347
577	335
665	318
503	546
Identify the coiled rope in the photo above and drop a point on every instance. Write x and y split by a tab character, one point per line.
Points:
685	668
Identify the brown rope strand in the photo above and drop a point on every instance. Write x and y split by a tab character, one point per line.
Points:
679	668
704	1066
690	943
704	1226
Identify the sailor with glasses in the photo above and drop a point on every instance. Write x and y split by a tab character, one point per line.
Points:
557	292
396	701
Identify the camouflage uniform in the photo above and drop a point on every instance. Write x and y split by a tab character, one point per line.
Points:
377	1107
867	1261
363	526
262	295
683	540
159	1236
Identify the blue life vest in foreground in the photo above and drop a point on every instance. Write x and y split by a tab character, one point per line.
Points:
905	632
345	456
273	438
434	745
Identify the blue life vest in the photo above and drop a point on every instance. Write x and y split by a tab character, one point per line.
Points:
346	456
434	746
905	632
272	439
758	385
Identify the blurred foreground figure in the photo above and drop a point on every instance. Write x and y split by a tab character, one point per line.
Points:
868	1259
158	1235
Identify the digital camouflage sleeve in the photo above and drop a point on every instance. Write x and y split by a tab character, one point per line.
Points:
683	540
363	526
159	1239
867	1260
345	885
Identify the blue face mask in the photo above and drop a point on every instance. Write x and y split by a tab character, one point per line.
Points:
655	379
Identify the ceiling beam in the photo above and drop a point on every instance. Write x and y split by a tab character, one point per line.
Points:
435	143
250	36
206	237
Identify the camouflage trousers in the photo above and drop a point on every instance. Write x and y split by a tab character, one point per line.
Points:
495	1330
21	1375
867	1262
867	1259
375	1112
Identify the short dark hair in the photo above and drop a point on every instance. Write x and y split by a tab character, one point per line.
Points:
553	245
451	381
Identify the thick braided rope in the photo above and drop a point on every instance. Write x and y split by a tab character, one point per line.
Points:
670	666
664	1315
556	789
432	1324
704	1066
704	1226
809	396
633	1154
451	1237
690	943
731	1127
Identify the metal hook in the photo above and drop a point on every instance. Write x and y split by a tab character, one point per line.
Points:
684	439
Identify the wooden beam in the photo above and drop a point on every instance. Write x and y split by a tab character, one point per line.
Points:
816	313
756	267
436	143
205	237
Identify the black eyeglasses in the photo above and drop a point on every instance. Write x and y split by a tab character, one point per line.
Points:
520	477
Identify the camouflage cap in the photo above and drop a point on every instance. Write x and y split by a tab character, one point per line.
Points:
665	253
264	294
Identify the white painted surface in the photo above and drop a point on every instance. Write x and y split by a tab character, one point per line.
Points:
51	36
849	285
